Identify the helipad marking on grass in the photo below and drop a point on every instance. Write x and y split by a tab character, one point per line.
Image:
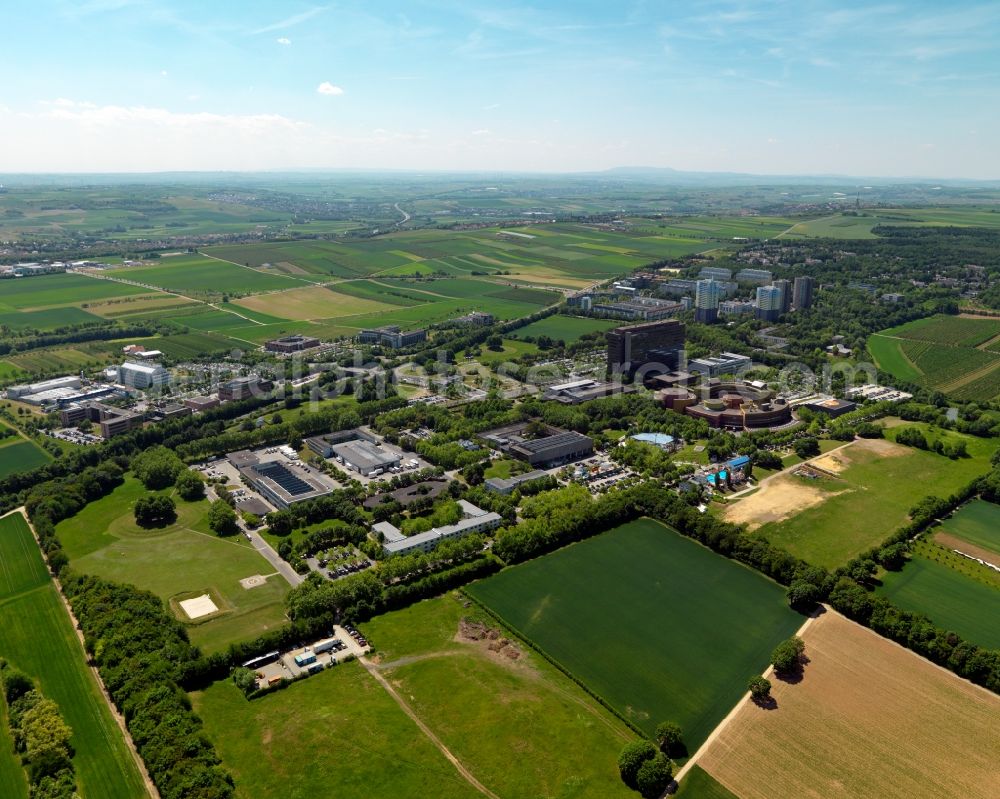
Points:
253	582
198	606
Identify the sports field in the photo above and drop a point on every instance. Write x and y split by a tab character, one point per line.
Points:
869	718
37	637
953	354
175	562
867	491
565	328
337	733
658	625
948	596
20	455
485	705
977	523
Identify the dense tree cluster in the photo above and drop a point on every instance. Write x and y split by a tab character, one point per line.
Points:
141	652
154	510
644	768
157	467
41	737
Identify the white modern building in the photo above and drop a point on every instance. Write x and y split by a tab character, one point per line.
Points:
769	303
474	520
707	294
142	375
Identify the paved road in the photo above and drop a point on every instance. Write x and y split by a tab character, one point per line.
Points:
257	542
265	549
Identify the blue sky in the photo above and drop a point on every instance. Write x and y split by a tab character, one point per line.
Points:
894	88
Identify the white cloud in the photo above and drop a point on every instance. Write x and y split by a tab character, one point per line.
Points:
283	40
329	89
481	132
164	73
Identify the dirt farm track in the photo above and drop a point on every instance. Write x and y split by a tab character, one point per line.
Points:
868	719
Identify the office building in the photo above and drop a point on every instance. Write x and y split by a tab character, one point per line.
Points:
759	276
639	308
553	447
728	363
476	319
474	520
392	336
715	273
768	303
735	307
241	388
706	301
289	344
142	375
633	347
802	292
68	382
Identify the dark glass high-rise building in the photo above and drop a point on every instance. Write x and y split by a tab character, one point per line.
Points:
632	347
802	293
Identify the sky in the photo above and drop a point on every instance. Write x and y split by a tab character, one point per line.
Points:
800	87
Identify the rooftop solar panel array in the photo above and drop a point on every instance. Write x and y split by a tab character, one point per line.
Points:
291	483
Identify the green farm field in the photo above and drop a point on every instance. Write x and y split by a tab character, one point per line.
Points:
948	597
177	561
952	354
337	733
659	626
197	274
484	705
978	522
565	328
843	226
37	637
46	291
45	321
873	485
19	455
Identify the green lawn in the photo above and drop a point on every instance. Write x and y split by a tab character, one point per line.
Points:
186	557
36	636
872	496
658	625
485	706
978	522
949	598
19	455
335	734
566	328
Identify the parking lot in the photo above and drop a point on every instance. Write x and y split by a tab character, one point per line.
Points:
75	436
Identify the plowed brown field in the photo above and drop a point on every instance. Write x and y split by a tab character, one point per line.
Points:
868	719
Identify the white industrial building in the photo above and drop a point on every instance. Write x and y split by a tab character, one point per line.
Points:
474	520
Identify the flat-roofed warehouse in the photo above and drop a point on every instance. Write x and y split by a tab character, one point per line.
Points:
356	449
553	447
278	484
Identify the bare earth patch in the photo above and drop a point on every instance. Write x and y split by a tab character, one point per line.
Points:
778	499
834	462
868	719
881	447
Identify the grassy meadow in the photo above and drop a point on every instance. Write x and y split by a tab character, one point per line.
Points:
180	560
337	733
977	522
484	705
871	487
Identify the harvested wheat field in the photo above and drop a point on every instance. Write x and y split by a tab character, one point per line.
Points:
868	719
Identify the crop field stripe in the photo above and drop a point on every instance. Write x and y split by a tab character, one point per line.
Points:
977	522
37	636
